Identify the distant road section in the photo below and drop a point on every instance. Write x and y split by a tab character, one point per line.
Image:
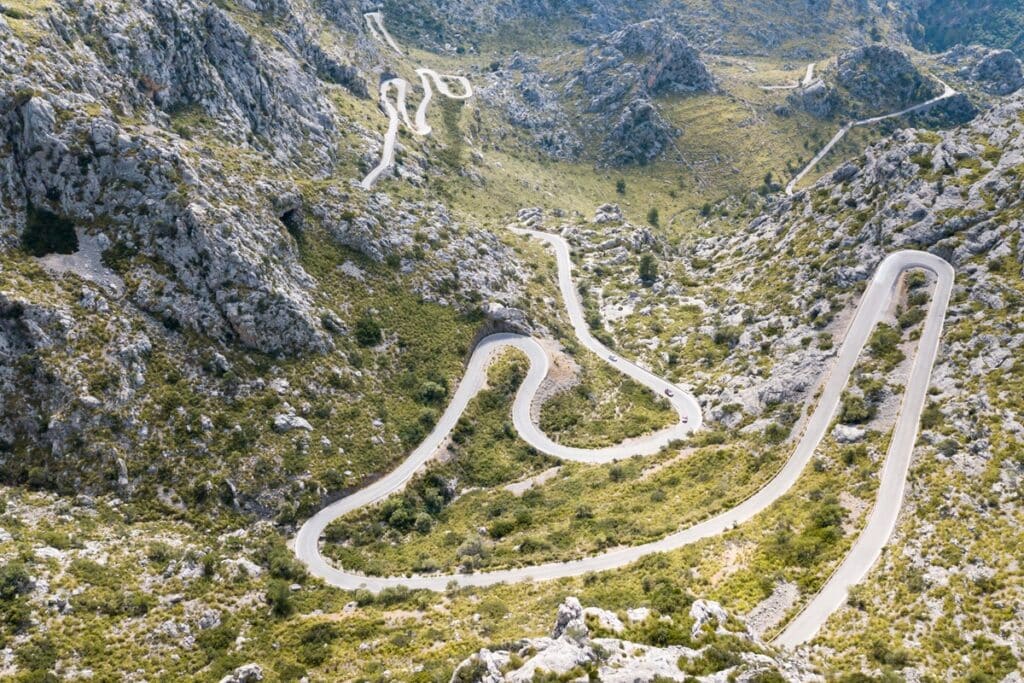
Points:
808	79
397	110
947	93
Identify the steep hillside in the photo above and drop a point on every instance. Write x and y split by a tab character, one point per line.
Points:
810	28
177	202
938	25
248	249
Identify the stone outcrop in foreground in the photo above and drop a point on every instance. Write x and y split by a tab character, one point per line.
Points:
584	642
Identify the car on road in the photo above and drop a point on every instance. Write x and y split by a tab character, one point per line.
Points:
669	392
613	358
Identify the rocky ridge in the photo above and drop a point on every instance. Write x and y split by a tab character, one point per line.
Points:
866	81
998	72
622	75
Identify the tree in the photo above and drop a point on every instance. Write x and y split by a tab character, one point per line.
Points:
423	522
279	597
368	332
855	410
653	217
648	269
432	392
620	186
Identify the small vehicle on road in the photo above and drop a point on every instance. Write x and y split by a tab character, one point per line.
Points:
669	392
613	358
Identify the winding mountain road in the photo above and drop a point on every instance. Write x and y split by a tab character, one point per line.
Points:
868	547
876	300
375	22
947	93
398	110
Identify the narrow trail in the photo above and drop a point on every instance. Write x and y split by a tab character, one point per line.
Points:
947	93
875	301
398	110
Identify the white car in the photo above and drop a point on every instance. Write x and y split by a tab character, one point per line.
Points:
613	358
669	392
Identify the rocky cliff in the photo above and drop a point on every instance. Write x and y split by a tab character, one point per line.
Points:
173	168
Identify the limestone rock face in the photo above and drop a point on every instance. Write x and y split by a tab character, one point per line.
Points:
816	98
224	287
669	63
620	76
534	105
572	645
997	71
638	137
883	78
168	61
1000	72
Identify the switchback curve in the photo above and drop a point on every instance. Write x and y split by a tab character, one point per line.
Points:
872	307
398	111
947	92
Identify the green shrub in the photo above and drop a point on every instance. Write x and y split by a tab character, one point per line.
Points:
884	652
14	580
47	233
931	416
217	640
315	643
38	655
279	597
776	433
367	331
884	345
713	658
855	410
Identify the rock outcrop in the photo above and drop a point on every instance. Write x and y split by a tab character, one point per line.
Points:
816	98
998	72
638	137
881	79
247	673
573	647
668	64
621	75
529	99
